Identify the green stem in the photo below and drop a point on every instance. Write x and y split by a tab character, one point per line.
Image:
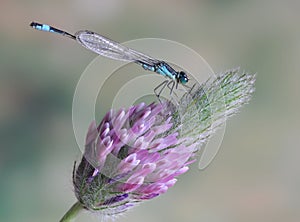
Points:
72	212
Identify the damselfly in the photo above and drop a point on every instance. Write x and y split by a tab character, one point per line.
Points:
114	50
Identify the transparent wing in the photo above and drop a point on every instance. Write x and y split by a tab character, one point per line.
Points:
111	49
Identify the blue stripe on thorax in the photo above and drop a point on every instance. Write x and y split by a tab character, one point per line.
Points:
147	67
161	68
165	70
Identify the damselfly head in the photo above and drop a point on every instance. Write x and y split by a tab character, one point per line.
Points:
182	77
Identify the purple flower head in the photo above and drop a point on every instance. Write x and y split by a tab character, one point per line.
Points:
136	154
133	155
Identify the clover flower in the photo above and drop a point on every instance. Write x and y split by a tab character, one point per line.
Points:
136	154
128	158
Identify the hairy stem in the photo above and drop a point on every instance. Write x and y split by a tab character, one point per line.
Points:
72	212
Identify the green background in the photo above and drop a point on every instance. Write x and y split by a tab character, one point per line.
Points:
256	174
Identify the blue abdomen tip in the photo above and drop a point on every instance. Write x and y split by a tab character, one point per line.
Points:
45	28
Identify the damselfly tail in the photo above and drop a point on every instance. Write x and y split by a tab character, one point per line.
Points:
48	28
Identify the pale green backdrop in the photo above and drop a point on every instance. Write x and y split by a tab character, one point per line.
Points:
256	174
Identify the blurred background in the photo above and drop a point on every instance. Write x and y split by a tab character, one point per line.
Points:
256	174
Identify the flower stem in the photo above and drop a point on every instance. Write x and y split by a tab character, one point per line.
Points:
72	212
